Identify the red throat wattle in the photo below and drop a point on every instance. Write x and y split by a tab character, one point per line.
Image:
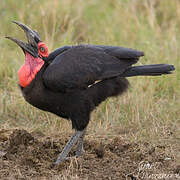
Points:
32	65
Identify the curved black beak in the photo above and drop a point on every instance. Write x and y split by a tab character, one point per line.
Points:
33	39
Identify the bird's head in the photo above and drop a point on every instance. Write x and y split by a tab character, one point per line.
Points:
36	53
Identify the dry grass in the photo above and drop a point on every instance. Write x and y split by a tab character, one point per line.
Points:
150	111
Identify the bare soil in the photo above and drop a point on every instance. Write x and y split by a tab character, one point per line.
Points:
25	155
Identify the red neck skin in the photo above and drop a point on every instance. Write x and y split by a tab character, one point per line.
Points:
29	69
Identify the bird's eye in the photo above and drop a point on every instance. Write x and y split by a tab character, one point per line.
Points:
42	49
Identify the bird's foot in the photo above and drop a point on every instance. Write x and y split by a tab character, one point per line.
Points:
79	152
73	140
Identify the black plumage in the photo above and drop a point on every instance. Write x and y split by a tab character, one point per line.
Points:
67	88
80	66
76	79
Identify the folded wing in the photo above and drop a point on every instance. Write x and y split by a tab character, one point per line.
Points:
80	66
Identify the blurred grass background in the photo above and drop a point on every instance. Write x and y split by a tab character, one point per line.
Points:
149	111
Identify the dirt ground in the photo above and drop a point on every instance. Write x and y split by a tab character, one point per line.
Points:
25	155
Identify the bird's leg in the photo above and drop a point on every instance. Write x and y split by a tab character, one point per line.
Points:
73	140
80	149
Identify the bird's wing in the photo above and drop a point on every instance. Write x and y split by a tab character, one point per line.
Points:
121	52
82	65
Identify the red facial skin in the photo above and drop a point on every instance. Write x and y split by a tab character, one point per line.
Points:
32	65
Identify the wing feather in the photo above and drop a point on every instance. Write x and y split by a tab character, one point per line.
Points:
80	66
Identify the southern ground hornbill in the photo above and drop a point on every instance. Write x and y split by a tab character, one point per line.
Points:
72	80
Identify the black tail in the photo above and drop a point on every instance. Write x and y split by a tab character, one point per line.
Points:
148	70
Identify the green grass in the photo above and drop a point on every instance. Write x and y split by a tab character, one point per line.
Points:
149	110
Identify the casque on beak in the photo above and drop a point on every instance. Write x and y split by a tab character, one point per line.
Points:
33	39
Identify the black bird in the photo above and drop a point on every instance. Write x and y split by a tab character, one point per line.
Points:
72	80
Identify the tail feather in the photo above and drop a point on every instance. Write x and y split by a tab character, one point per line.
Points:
148	70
